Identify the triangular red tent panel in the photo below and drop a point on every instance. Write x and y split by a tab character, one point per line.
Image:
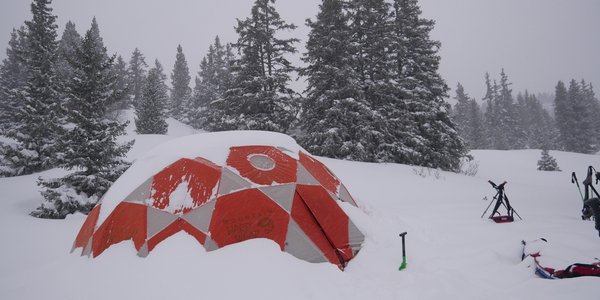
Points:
262	191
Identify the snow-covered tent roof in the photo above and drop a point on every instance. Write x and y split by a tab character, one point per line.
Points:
223	188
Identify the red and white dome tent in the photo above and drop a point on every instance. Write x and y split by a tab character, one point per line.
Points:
224	188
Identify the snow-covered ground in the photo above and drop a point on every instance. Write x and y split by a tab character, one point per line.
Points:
452	252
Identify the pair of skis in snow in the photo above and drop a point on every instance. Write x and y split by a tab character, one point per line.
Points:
536	249
501	199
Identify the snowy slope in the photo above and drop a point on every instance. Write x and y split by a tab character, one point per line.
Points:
452	252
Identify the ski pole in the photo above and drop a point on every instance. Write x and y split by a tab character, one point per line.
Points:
488	207
574	180
403	264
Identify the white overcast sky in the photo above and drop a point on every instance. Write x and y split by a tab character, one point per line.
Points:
537	42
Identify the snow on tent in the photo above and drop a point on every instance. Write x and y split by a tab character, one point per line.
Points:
224	188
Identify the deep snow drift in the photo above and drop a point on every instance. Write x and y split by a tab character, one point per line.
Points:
452	252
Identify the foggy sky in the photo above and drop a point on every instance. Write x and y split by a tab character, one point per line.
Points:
537	42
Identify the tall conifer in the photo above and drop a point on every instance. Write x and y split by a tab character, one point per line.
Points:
89	144
180	82
260	97
40	111
152	108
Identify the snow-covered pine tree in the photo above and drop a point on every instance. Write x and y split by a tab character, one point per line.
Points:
547	162
585	109
151	111
477	134
260	98
122	93
69	41
137	75
469	120
207	108
536	123
490	114
12	80
334	113
389	127
594	106
510	132
422	89
461	114
565	118
40	111
89	143
180	82
501	116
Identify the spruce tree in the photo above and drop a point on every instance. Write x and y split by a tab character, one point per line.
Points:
122	93
40	112
137	75
423	90
69	41
477	139
461	113
468	119
536	123
389	130
565	118
490	115
334	113
89	143
207	108
180	81
12	80
151	109
260	98
547	162
584	108
576	111
502	116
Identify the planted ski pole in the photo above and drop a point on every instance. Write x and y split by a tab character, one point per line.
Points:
488	207
574	180
403	264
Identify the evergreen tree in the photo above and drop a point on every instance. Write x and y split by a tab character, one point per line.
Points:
390	127
422	90
335	115
502	116
547	162
515	136
477	139
584	109
122	93
576	111
40	110
90	146
490	115
565	117
180	81
536	123
151	109
461	113
214	79
468	119
260	97
69	41
137	75
12	80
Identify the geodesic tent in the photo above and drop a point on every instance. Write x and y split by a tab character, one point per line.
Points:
260	191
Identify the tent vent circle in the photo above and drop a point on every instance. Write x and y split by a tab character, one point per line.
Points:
261	162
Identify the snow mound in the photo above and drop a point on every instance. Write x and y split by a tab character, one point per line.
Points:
213	146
